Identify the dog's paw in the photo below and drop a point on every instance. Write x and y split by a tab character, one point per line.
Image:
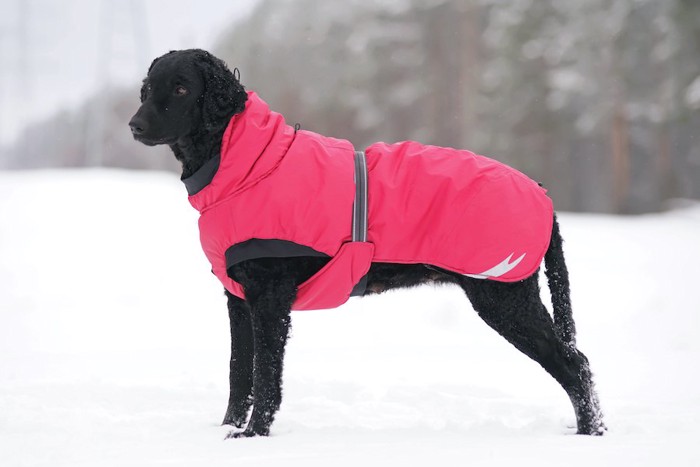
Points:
237	414
595	429
238	421
244	434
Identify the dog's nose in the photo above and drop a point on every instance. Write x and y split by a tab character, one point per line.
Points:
137	126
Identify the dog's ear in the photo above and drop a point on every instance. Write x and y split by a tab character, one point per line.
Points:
224	95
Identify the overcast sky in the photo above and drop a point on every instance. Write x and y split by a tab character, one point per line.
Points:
55	53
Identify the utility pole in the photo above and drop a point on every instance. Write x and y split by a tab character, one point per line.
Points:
24	82
15	59
119	24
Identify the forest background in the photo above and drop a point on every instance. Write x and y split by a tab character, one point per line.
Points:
598	100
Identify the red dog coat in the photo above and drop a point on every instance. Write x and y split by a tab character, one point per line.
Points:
277	192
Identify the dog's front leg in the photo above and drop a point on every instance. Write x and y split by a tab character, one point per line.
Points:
269	294
241	369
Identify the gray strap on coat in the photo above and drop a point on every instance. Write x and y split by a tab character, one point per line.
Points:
359	216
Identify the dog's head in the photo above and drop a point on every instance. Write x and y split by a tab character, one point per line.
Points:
186	93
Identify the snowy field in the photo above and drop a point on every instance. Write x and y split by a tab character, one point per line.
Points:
114	348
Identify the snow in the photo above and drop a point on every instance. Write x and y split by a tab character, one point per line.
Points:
114	347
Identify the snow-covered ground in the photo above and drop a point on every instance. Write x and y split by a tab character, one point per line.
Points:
114	348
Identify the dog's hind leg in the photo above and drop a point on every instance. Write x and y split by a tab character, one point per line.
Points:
516	312
241	369
558	279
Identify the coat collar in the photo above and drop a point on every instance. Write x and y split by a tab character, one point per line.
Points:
252	147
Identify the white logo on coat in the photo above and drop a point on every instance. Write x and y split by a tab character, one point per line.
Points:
498	270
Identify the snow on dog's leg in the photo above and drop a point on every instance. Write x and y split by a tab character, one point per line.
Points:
516	312
241	368
589	416
270	292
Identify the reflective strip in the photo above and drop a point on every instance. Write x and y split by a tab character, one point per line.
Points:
359	215
500	269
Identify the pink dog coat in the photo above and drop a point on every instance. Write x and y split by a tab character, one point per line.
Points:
277	192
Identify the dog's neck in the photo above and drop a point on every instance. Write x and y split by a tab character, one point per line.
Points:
196	150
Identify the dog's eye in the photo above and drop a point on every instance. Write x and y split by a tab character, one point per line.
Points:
145	91
181	91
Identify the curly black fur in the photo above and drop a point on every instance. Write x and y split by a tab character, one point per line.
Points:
193	123
188	99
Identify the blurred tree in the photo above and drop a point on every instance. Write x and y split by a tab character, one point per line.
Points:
59	141
599	100
684	122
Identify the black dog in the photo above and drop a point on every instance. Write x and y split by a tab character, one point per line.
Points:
187	100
